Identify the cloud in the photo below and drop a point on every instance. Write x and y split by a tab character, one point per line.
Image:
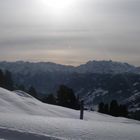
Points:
91	29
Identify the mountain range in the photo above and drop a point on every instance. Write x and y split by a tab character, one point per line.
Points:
89	67
94	81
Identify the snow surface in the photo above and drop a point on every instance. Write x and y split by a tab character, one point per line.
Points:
23	117
90	96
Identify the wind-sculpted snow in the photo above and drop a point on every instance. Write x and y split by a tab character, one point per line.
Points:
23	117
21	103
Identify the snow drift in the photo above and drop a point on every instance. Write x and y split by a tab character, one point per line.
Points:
24	117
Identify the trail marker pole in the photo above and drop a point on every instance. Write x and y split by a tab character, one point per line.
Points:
82	110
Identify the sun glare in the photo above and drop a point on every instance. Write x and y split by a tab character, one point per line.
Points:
58	4
58	7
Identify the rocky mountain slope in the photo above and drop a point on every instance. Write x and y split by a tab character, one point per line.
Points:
94	81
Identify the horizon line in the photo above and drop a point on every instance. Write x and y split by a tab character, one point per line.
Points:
64	64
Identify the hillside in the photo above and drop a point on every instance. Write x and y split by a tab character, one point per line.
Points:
94	81
23	117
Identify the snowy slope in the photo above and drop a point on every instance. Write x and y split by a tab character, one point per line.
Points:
23	117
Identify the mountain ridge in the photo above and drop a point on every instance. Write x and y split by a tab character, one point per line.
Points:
103	66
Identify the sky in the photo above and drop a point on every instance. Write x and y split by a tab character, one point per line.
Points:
70	32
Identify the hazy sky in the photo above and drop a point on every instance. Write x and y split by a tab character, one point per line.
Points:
70	31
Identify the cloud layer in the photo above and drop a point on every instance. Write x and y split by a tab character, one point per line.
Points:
99	29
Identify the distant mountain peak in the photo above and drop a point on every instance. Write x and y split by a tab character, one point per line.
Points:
105	66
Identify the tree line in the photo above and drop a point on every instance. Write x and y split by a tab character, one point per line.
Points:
65	97
113	109
6	80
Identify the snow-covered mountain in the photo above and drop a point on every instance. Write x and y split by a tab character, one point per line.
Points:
89	67
96	88
105	67
133	101
24	117
33	68
94	81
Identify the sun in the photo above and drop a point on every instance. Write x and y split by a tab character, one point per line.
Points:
59	4
58	7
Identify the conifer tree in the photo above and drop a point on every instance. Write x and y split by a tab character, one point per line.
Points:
8	80
50	99
66	97
2	79
114	108
101	107
32	91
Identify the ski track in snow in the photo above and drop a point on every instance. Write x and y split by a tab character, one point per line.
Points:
24	118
